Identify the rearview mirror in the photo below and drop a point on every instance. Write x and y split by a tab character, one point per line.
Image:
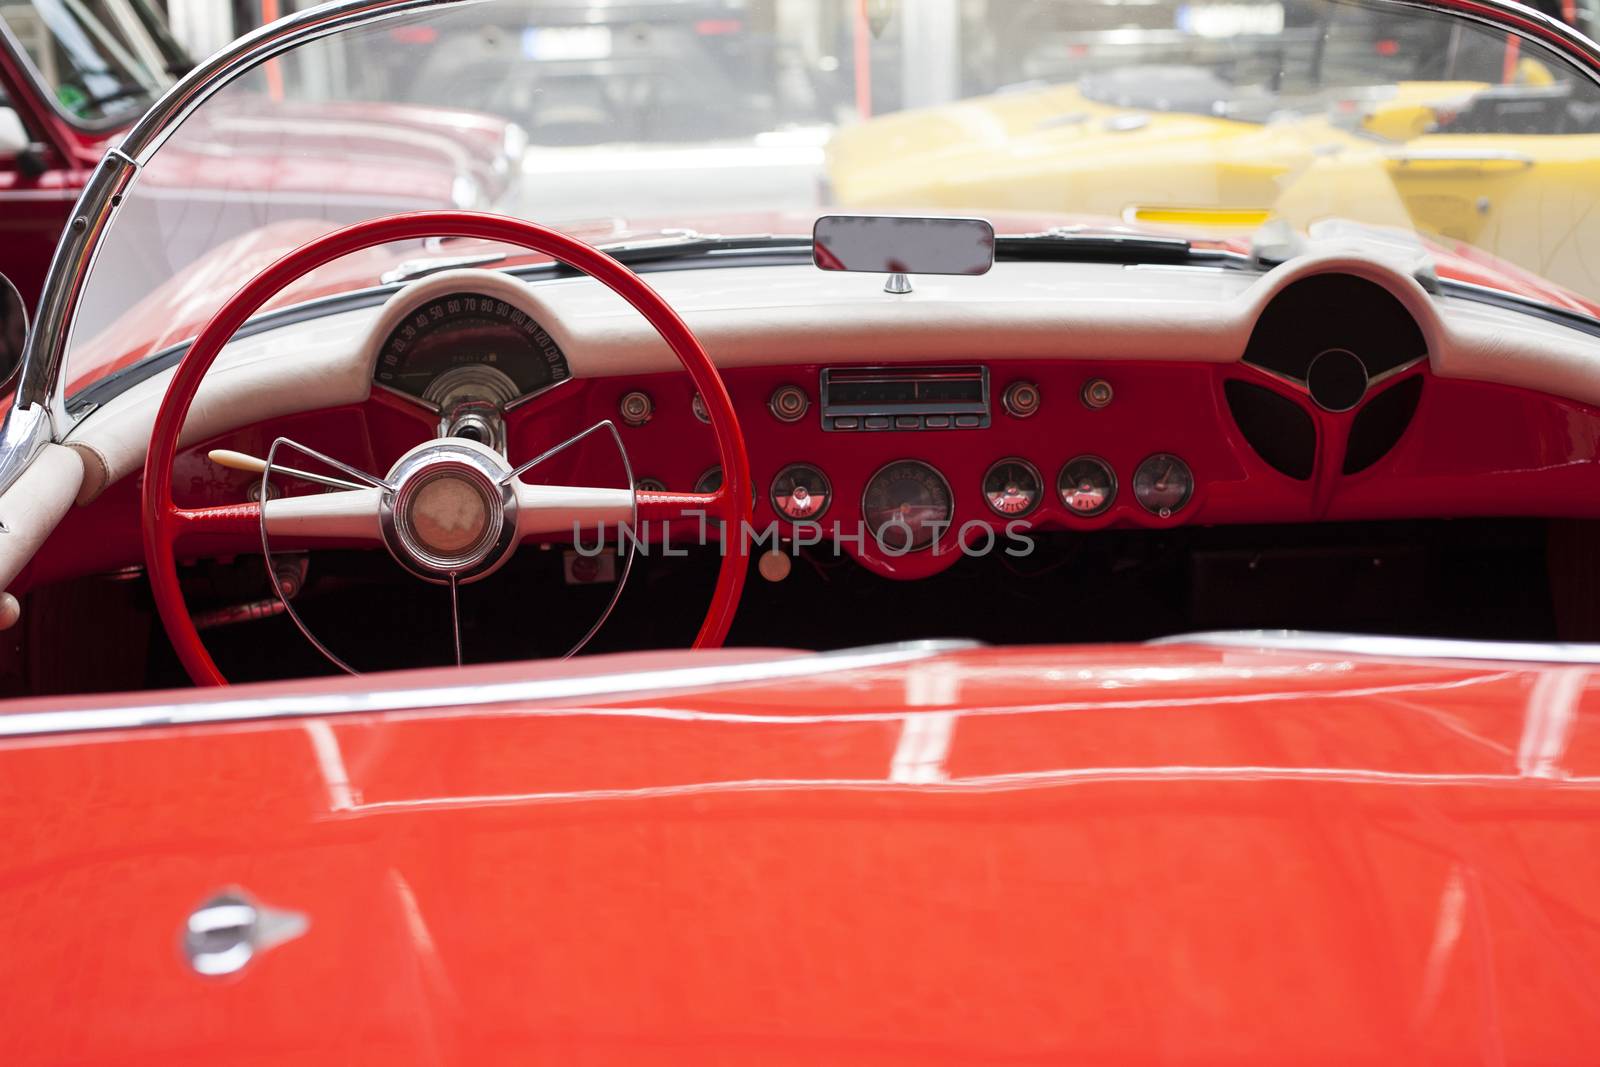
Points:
13	331
894	244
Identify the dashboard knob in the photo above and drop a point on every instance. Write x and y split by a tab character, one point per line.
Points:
698	406
789	403
1021	399
1097	393
636	408
774	566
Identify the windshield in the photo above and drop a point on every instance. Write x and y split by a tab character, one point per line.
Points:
1211	121
99	59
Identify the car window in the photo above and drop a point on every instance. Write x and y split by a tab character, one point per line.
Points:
96	57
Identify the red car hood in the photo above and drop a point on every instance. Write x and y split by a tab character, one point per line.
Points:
185	302
409	152
1078	855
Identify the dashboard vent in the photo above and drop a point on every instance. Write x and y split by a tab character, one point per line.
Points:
1378	426
1280	430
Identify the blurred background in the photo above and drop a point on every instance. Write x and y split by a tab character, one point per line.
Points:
767	81
616	118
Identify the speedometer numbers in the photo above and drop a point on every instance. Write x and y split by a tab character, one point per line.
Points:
467	329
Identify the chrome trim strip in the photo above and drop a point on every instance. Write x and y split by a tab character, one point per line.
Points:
23	436
42	383
320	705
1391	647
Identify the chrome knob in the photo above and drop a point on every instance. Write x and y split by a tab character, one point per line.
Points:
1097	393
789	403
225	933
698	406
1021	399
636	408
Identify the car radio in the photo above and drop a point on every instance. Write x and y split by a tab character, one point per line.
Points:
905	398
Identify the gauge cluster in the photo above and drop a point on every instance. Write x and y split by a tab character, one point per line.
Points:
1057	448
995	446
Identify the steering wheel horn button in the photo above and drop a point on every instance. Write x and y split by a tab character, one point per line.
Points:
451	512
449	515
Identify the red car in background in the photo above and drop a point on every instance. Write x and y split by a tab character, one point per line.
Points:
75	77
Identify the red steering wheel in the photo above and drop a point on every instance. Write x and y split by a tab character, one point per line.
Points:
165	523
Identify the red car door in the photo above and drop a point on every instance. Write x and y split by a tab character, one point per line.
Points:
38	186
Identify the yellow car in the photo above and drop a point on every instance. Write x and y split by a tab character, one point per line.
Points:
1434	156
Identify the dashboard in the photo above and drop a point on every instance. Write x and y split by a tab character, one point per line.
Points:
1043	400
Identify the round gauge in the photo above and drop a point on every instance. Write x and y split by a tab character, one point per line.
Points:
907	506
710	481
466	330
1087	486
800	492
1163	484
1012	488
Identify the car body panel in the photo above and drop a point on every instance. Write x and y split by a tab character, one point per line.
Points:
1112	854
1045	149
347	160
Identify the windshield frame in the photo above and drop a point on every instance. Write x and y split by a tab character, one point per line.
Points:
40	415
162	44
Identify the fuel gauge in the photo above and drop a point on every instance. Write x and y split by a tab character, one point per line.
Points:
1012	488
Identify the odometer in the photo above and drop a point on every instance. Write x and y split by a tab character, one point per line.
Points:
469	330
907	505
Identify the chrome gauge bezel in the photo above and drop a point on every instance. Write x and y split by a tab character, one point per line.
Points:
1038	482
1111	479
1188	496
931	469
827	484
701	484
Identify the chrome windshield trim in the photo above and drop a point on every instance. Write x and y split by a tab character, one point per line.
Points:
42	382
1391	647
378	699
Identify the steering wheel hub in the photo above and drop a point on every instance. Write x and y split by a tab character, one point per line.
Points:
450	511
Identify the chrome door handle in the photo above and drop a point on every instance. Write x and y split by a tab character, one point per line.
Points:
225	933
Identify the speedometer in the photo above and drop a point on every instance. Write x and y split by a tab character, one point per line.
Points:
474	330
907	506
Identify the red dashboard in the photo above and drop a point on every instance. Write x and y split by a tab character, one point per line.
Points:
1465	448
